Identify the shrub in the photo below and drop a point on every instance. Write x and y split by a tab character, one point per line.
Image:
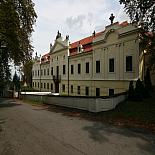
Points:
131	92
147	81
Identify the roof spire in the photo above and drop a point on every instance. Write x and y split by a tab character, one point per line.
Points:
58	35
112	18
93	34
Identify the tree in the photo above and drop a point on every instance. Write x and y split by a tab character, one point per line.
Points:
16	82
147	81
17	18
27	70
5	75
139	90
131	92
143	12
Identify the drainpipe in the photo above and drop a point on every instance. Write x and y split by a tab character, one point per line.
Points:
68	55
40	76
68	75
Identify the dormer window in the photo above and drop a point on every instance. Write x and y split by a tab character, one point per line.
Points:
80	48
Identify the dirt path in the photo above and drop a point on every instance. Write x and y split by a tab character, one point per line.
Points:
29	130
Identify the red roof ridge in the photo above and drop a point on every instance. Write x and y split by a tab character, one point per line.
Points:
85	40
124	24
47	54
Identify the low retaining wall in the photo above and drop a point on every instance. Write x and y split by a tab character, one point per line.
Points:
91	104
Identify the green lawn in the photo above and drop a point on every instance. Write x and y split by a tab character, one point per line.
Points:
143	111
35	103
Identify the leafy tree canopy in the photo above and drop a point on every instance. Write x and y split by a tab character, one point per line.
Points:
17	18
16	81
143	12
27	70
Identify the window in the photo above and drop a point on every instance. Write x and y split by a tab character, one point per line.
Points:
87	67
47	85
33	84
64	69
57	70
111	65
35	73
38	84
111	92
71	88
72	69
41	85
97	66
51	86
44	72
79	68
78	89
87	91
38	72
63	88
51	70
47	71
128	63
97	91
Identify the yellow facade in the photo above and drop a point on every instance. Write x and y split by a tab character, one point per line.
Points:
114	61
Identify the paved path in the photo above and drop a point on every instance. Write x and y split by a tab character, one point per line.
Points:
29	130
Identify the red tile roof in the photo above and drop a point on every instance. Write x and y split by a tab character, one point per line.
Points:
82	42
124	24
45	58
45	55
86	43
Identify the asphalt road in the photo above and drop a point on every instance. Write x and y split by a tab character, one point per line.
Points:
30	130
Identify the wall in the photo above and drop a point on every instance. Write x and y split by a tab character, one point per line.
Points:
91	104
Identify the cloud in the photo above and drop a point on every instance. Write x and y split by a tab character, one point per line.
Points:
76	18
75	22
83	22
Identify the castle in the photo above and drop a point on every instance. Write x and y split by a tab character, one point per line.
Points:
102	64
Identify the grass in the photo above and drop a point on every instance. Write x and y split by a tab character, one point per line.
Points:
136	111
35	103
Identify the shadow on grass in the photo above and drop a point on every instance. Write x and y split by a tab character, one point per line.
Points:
7	103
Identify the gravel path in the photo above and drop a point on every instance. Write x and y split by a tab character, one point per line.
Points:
31	130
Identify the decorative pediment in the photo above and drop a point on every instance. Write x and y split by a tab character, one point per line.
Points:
58	46
111	31
111	36
108	36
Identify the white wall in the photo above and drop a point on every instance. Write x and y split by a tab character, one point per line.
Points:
86	103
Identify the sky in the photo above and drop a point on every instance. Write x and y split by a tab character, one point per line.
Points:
76	18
